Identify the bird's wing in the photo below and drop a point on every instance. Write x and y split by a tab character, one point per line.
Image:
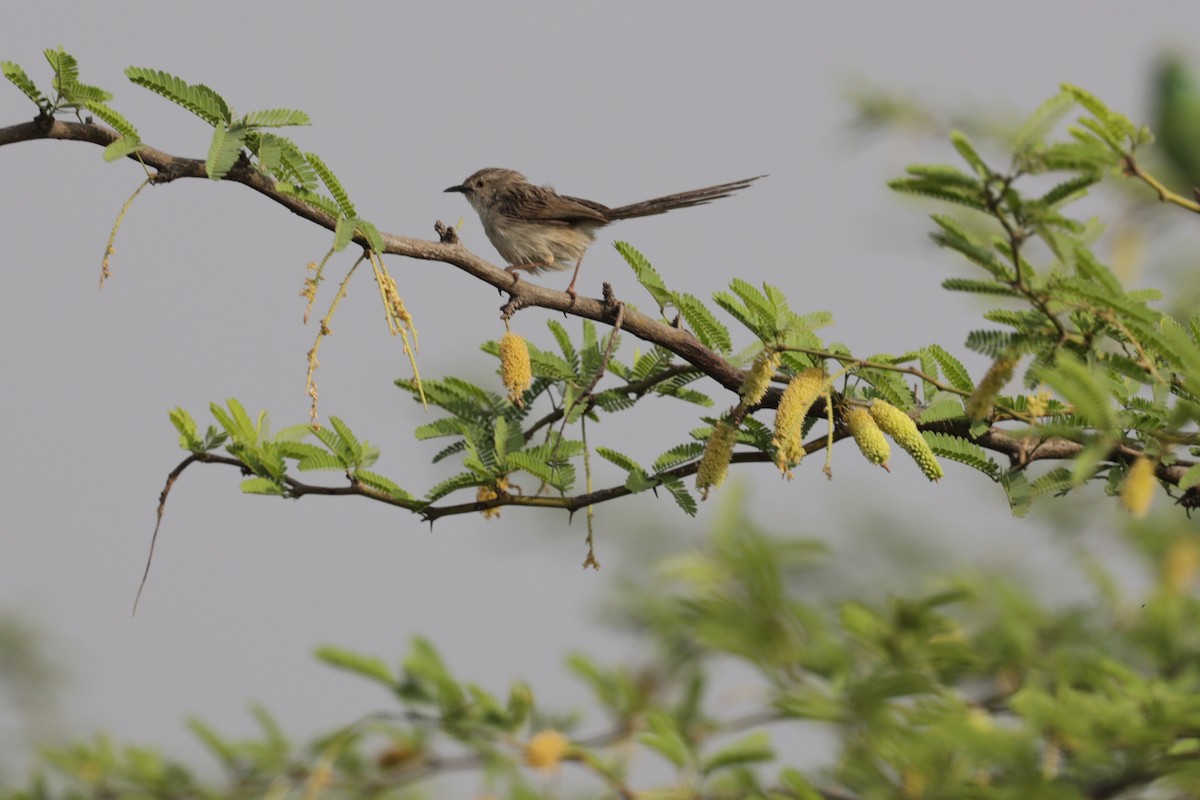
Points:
540	204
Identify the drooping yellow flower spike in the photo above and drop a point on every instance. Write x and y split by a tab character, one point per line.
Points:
797	399
515	369
546	750
1138	490
900	426
759	379
979	404
868	436
714	464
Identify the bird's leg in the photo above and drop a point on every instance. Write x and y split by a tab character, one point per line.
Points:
575	277
515	271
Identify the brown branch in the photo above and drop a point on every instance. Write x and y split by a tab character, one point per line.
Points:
523	293
1020	449
1134	170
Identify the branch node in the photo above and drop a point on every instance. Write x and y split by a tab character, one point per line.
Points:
515	303
447	234
168	173
43	122
609	298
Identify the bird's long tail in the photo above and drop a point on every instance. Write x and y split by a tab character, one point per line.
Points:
696	197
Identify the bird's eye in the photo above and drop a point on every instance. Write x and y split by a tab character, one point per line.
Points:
479	183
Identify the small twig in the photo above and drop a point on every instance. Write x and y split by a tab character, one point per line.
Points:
162	506
112	236
1134	170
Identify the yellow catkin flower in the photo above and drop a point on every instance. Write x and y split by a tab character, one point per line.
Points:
759	379
515	369
1138	490
490	492
900	426
1037	405
546	750
1181	564
979	404
797	399
714	464
868	436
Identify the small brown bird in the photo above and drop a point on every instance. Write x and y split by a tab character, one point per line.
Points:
535	228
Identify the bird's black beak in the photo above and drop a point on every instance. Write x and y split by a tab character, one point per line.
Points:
459	188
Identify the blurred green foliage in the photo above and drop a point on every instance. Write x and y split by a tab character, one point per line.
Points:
969	687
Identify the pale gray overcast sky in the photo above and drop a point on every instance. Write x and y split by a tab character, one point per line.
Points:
616	101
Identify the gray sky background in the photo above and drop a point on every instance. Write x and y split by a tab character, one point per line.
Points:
612	101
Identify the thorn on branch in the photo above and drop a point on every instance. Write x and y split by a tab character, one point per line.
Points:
447	234
1190	499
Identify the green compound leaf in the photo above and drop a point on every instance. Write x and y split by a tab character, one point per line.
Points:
17	77
332	183
224	150
275	118
646	275
707	327
367	666
199	99
962	451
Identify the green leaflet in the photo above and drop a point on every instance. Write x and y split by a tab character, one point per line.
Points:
1057	481
708	329
332	184
1037	126
224	150
1070	190
1016	486
979	287
18	78
1081	386
570	354
936	191
946	175
621	460
749	749
680	494
275	118
962	451
967	150
955	372
199	99
262	486
463	480
646	275
66	69
367	666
